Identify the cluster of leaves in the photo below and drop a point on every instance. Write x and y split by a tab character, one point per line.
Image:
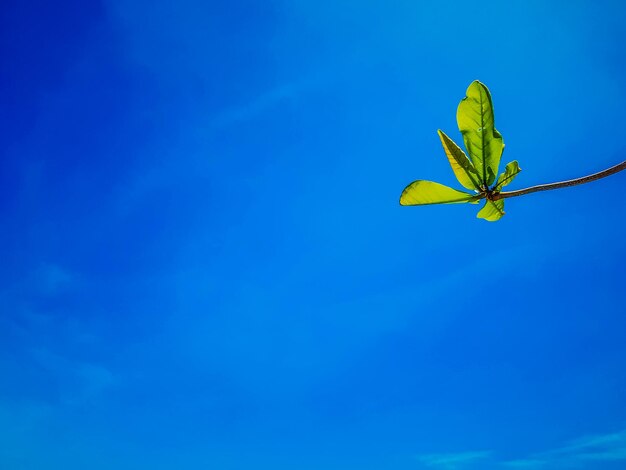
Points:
478	172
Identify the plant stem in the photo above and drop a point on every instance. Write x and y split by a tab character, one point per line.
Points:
561	184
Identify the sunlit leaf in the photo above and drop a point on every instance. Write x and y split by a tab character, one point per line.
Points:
510	172
461	165
477	124
492	210
421	192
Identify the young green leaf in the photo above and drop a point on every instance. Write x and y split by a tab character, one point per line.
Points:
492	210
421	192
477	124
461	165
510	172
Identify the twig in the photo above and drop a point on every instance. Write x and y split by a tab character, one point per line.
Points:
561	184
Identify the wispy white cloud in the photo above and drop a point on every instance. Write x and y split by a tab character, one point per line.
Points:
525	463
47	279
52	278
261	103
451	461
47	345
78	382
578	453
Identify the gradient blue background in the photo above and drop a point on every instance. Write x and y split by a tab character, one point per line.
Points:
204	264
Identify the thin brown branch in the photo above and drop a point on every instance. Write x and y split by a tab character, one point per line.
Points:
561	184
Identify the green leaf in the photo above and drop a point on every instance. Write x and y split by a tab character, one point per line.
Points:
461	165
477	124
421	192
492	210
510	172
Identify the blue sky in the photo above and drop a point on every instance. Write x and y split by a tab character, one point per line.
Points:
205	266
